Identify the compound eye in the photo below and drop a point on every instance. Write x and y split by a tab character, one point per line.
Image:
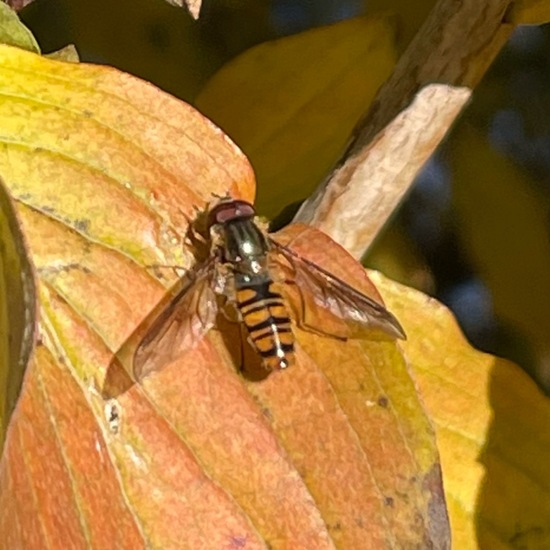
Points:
227	211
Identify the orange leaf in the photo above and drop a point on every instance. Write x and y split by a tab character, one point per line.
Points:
336	451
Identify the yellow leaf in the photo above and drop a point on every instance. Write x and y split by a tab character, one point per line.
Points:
291	104
492	426
528	12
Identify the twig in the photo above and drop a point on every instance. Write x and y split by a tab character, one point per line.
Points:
456	45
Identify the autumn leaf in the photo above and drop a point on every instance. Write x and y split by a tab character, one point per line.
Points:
492	426
17	310
106	172
291	104
528	12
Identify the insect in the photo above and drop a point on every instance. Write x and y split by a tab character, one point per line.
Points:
244	266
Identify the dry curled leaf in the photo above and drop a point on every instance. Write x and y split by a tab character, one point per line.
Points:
193	6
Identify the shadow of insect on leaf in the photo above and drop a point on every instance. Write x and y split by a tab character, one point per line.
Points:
243	356
117	381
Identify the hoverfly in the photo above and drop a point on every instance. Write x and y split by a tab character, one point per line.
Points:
242	267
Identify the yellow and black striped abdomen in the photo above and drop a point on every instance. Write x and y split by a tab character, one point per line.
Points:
265	316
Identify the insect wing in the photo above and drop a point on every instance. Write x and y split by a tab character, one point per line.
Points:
177	326
328	292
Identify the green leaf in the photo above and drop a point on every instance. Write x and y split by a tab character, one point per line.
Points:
13	32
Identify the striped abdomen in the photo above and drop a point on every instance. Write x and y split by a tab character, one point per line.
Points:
266	319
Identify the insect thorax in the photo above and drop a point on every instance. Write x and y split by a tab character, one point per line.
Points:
244	245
